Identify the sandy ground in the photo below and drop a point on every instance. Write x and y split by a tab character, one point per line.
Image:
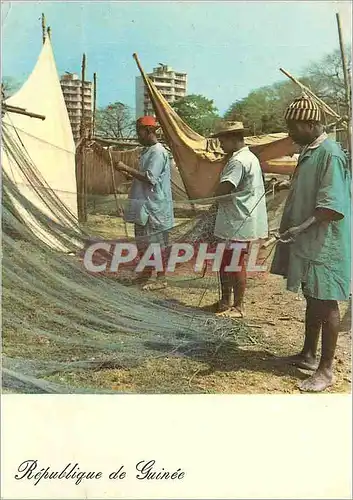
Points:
274	315
276	318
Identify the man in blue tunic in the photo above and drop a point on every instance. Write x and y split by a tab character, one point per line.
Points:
316	220
150	206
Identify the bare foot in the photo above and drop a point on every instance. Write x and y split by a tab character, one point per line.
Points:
298	360
155	285
231	312
238	311
217	307
318	382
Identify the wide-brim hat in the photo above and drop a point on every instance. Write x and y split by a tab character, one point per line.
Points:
229	128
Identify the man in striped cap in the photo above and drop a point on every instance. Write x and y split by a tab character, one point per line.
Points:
316	221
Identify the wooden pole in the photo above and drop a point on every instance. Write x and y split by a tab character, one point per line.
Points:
21	111
81	160
43	28
115	190
346	82
83	75
84	181
327	108
49	32
94	102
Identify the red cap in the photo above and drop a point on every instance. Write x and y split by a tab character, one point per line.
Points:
147	121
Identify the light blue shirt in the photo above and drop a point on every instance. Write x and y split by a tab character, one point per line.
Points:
152	203
242	215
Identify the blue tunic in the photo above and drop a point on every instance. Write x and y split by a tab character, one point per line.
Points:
320	256
151	205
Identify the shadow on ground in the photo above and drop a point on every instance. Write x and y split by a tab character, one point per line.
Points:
229	357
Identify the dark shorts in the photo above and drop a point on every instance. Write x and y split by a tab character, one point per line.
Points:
144	237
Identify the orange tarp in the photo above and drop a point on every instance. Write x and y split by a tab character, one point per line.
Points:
201	160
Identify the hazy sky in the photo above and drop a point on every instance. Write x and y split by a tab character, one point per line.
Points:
227	48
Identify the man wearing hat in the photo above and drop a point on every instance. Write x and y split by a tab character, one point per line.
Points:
150	206
241	214
316	221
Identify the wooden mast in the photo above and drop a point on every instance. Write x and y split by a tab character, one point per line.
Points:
346	83
80	158
43	28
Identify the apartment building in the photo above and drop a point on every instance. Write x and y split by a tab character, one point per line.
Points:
71	87
170	83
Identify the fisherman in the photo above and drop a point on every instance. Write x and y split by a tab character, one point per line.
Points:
316	220
150	205
241	215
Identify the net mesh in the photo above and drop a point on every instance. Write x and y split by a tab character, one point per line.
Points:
58	318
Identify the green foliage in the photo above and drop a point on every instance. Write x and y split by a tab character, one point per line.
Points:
327	76
263	109
198	112
115	121
9	86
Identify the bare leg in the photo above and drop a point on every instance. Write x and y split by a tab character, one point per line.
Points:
161	281
226	290
239	286
144	276
323	377
225	304
313	320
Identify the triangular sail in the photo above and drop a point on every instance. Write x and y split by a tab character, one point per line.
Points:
46	146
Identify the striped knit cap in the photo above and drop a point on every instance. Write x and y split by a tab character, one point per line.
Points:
303	109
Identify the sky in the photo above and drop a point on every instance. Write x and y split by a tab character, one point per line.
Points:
226	48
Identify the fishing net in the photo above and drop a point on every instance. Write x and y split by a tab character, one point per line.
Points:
59	319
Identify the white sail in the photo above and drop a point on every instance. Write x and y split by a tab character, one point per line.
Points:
48	143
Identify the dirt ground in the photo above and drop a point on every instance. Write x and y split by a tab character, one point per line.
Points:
276	319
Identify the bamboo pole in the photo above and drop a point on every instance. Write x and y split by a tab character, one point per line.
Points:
84	182
21	111
94	102
346	83
344	65
116	142
43	28
81	170
115	190
83	75
327	108
78	164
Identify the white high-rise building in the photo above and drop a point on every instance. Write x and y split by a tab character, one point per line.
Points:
71	87
170	83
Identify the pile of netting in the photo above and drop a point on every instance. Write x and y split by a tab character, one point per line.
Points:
58	318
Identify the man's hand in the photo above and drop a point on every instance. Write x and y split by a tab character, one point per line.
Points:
291	234
120	166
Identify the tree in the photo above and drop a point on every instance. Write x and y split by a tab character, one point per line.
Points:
263	109
115	121
9	86
198	112
327	76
